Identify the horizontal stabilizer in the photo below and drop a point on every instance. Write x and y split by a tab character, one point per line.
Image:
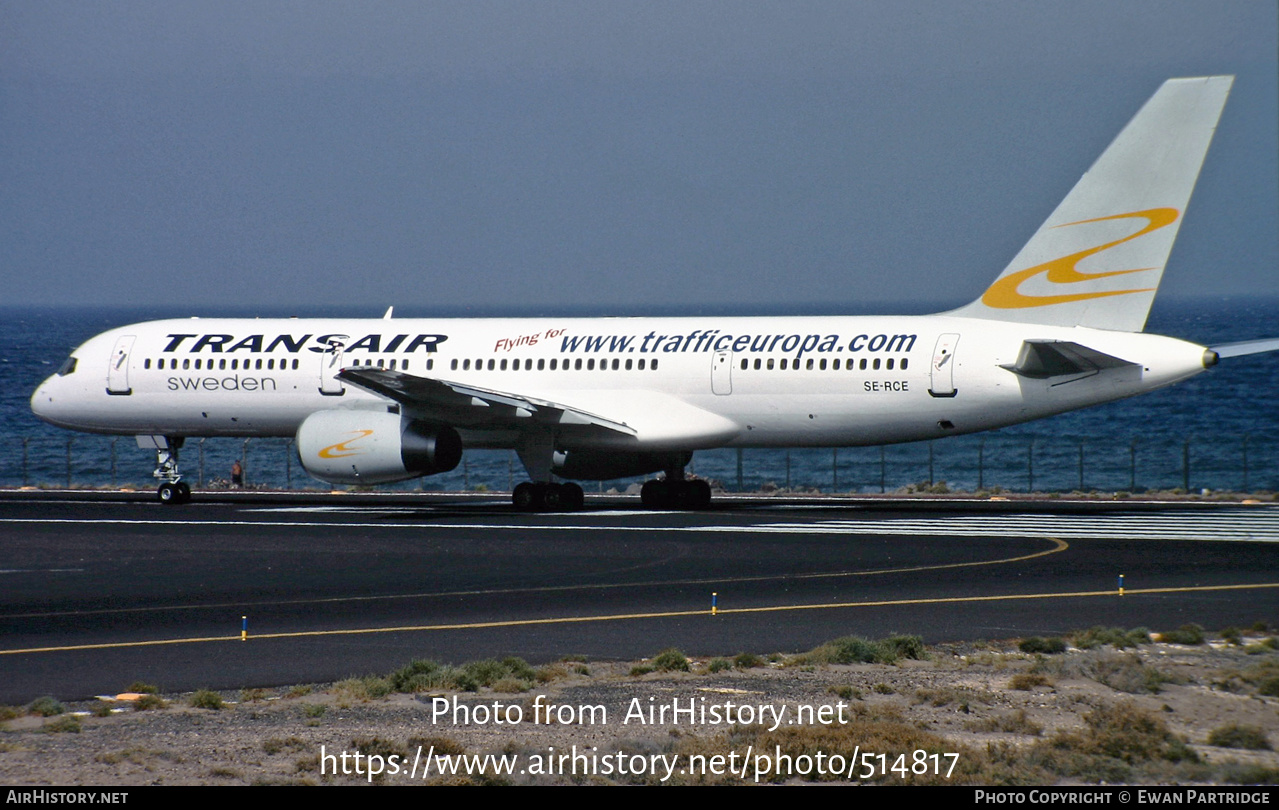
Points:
1048	359
1246	347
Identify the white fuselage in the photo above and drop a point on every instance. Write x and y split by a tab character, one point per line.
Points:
679	383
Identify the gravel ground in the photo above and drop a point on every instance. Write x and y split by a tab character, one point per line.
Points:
1009	716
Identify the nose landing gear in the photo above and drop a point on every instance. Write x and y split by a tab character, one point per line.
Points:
173	490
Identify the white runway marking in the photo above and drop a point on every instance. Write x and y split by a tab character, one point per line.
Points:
1241	525
1248	524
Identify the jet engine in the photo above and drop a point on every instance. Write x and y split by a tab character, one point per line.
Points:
374	447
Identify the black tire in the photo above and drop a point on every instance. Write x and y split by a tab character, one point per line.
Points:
699	494
571	497
656	495
184	492
169	494
552	497
526	497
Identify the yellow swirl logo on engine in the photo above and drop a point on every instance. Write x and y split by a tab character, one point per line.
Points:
340	450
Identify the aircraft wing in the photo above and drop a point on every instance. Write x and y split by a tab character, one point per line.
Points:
471	406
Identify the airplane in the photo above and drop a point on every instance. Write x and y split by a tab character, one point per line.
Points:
372	401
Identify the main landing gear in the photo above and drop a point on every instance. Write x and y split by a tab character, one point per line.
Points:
676	492
173	490
548	497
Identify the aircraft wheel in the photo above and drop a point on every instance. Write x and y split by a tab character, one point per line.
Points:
169	494
656	494
552	497
526	497
571	497
699	494
184	492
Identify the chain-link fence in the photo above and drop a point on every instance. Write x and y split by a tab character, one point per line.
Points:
997	461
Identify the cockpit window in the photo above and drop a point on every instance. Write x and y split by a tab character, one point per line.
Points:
67	367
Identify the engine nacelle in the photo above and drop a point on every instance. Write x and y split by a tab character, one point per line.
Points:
374	447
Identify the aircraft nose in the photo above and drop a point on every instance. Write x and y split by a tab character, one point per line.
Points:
45	402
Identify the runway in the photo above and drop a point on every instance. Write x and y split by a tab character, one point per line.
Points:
100	591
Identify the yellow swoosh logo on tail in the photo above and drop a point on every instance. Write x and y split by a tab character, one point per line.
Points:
1003	294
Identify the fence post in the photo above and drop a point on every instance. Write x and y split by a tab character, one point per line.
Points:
882	471
1030	466
200	480
288	464
466	474
244	462
1245	462
739	469
69	462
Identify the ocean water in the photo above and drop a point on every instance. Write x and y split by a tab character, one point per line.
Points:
1217	431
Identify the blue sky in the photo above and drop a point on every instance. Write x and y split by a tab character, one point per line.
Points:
495	157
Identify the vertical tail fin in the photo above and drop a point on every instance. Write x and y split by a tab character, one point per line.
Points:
1097	261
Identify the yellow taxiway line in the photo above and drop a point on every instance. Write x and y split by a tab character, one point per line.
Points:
635	616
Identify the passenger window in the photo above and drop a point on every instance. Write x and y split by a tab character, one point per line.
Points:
628	364
641	364
783	364
904	361
186	363
876	364
590	364
492	364
654	366
577	364
770	364
863	364
541	364
145	363
810	364
615	363
890	364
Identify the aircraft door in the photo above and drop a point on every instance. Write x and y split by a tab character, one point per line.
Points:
330	365
722	373
118	370
942	383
